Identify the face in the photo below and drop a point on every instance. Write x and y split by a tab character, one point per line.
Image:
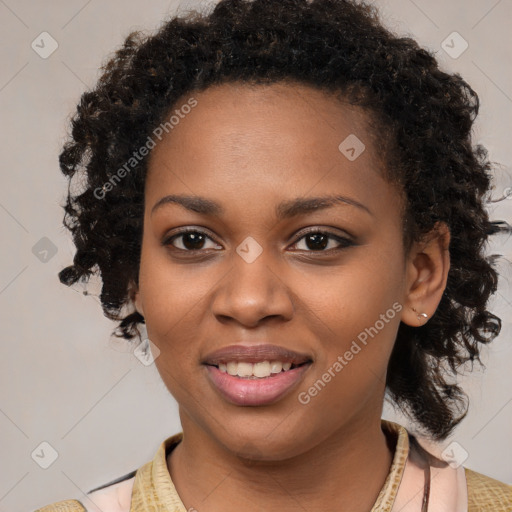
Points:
263	264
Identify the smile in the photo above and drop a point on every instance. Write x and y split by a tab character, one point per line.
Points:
251	390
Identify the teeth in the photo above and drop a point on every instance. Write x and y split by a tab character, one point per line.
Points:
244	369
261	369
232	367
276	366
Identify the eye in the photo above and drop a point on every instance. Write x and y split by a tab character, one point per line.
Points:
189	240
317	241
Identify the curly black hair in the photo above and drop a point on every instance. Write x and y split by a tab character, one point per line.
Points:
421	115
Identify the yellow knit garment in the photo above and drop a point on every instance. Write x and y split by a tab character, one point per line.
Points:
154	491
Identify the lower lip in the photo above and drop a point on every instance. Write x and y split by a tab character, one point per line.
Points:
262	391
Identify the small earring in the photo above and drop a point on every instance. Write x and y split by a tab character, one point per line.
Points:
420	315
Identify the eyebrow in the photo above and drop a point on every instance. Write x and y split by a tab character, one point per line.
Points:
284	210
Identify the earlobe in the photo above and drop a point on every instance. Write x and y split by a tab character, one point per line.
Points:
427	273
137	302
138	305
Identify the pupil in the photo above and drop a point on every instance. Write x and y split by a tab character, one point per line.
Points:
317	238
196	240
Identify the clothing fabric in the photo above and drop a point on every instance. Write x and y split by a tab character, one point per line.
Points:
413	467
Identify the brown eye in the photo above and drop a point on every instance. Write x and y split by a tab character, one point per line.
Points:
318	241
189	240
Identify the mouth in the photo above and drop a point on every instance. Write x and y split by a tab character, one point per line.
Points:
255	375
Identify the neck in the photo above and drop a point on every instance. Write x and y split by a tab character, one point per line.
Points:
343	472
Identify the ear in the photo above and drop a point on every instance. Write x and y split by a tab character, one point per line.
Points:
136	299
427	268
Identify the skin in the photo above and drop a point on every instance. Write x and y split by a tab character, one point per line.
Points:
249	148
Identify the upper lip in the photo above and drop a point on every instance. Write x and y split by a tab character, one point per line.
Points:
255	354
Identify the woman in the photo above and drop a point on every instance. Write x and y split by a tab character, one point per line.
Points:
287	196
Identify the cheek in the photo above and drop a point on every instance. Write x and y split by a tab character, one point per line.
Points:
353	296
358	314
165	303
170	293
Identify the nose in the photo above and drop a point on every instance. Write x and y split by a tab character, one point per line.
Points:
251	293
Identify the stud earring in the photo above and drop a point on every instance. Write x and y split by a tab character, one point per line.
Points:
420	315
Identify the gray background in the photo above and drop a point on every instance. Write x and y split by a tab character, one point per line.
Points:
63	379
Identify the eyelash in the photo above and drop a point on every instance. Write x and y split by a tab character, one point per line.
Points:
344	242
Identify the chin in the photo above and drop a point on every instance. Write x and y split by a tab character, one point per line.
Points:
256	447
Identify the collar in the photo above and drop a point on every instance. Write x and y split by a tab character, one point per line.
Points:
402	491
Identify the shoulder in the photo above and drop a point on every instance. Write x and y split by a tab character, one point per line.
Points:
116	496
486	493
112	497
63	506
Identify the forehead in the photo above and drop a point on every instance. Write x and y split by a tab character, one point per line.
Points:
265	136
233	114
